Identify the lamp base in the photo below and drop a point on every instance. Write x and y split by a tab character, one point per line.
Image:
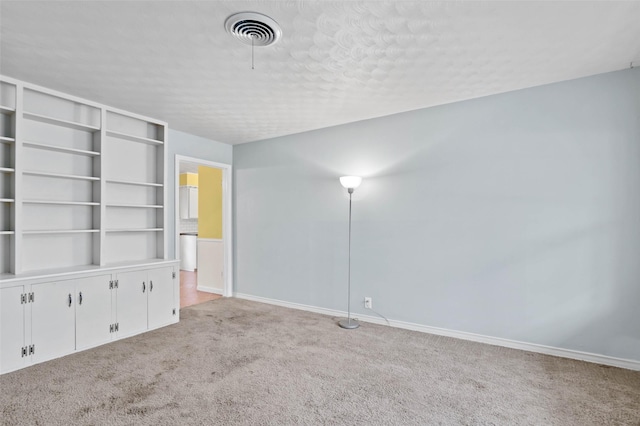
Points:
349	324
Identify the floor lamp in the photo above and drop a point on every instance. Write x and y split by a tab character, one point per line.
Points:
351	183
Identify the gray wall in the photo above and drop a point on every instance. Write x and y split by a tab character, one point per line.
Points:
181	143
514	216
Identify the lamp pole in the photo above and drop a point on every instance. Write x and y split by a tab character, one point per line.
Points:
349	323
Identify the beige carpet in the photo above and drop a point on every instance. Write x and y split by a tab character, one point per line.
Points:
237	362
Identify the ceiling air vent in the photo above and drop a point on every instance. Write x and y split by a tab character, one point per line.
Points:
253	28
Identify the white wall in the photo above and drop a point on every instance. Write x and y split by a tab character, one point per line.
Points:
514	216
181	143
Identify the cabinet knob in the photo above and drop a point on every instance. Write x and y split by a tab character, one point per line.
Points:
150	285
144	287
70	300
80	298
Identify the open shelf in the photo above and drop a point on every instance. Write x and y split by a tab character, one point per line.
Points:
6	110
134	138
60	122
61	231
6	200
127	182
61	149
136	230
6	170
59	175
6	139
64	203
137	206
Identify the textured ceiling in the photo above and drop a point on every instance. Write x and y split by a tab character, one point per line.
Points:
338	61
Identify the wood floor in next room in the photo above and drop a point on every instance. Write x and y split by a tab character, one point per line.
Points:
189	294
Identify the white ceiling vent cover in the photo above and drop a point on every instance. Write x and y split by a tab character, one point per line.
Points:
253	28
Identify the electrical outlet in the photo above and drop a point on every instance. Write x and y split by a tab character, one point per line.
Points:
368	303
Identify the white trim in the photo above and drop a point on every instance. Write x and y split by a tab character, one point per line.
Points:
210	289
227	218
496	341
210	240
300	306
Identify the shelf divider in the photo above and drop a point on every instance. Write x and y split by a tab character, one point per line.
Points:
60	122
137	206
134	138
60	149
136	230
127	182
61	231
64	203
60	175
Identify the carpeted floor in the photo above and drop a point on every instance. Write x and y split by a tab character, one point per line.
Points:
232	361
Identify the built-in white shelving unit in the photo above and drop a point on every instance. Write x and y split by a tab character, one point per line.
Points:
7	174
134	185
83	244
82	182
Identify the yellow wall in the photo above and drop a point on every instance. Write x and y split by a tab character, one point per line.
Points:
190	179
209	202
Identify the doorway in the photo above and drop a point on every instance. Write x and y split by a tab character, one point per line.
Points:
203	240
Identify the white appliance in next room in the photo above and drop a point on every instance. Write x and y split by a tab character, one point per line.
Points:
188	251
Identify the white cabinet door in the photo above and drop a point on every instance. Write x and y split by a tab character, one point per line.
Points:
53	332
184	202
131	303
93	311
193	203
161	302
12	329
188	202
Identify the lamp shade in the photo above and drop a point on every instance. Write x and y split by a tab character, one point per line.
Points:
350	181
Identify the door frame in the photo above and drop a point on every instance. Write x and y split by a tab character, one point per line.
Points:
227	218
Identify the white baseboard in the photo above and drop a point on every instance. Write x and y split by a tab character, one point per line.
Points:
210	289
496	341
